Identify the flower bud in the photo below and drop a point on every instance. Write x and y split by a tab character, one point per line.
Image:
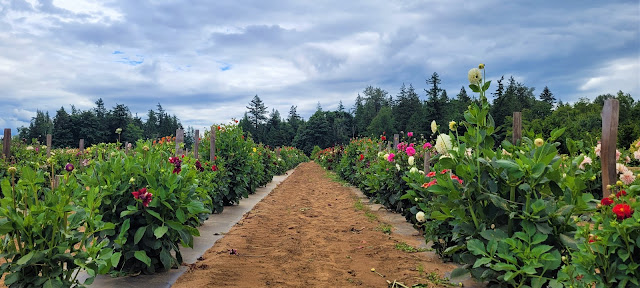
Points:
12	170
132	180
538	142
145	148
481	66
619	183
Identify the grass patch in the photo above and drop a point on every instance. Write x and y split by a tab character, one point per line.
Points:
370	215
402	246
358	205
385	228
335	178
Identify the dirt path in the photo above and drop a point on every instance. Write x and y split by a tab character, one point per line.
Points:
308	233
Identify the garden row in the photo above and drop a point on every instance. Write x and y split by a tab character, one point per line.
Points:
118	210
514	214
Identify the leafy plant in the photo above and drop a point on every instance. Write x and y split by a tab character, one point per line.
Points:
49	235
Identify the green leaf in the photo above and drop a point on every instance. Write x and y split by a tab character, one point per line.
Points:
160	231
459	274
486	85
507	165
624	254
476	247
538	238
139	234
481	261
53	283
499	202
569	241
24	259
154	214
540	249
557	133
474	88
538	170
142	256
497	234
504	267
165	258
115	259
5	226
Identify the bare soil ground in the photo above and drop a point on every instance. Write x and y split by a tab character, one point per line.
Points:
308	233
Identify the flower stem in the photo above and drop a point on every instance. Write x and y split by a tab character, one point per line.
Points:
512	196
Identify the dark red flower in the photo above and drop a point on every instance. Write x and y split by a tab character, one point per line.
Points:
444	171
623	211
606	201
361	157
143	195
383	138
214	168
621	193
68	167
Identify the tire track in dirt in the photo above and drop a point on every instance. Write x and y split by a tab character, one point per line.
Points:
307	233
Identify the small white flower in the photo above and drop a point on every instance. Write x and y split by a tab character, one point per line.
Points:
597	149
415	199
468	152
386	156
637	154
29	148
398	167
380	154
420	216
434	126
411	160
413	170
475	76
505	152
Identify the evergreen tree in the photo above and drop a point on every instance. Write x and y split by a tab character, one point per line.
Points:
257	117
407	104
547	96
383	122
436	100
62	130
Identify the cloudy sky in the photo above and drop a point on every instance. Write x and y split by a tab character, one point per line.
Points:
205	60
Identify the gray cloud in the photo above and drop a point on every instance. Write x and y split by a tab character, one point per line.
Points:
205	60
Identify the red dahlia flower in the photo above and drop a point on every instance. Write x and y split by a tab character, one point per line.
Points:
623	211
431	174
361	157
621	193
606	201
143	195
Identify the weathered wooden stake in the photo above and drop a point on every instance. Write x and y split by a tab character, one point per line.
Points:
179	141
278	152
427	162
610	113
212	148
379	146
48	145
6	144
57	180
517	127
396	140
196	144
126	147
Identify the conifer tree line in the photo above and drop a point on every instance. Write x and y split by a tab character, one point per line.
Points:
98	125
377	112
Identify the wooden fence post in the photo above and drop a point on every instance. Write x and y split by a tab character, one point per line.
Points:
427	162
610	113
196	143
6	144
517	127
179	140
48	145
278	152
212	148
396	140
126	147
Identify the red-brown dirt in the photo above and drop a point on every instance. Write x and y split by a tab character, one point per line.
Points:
308	233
